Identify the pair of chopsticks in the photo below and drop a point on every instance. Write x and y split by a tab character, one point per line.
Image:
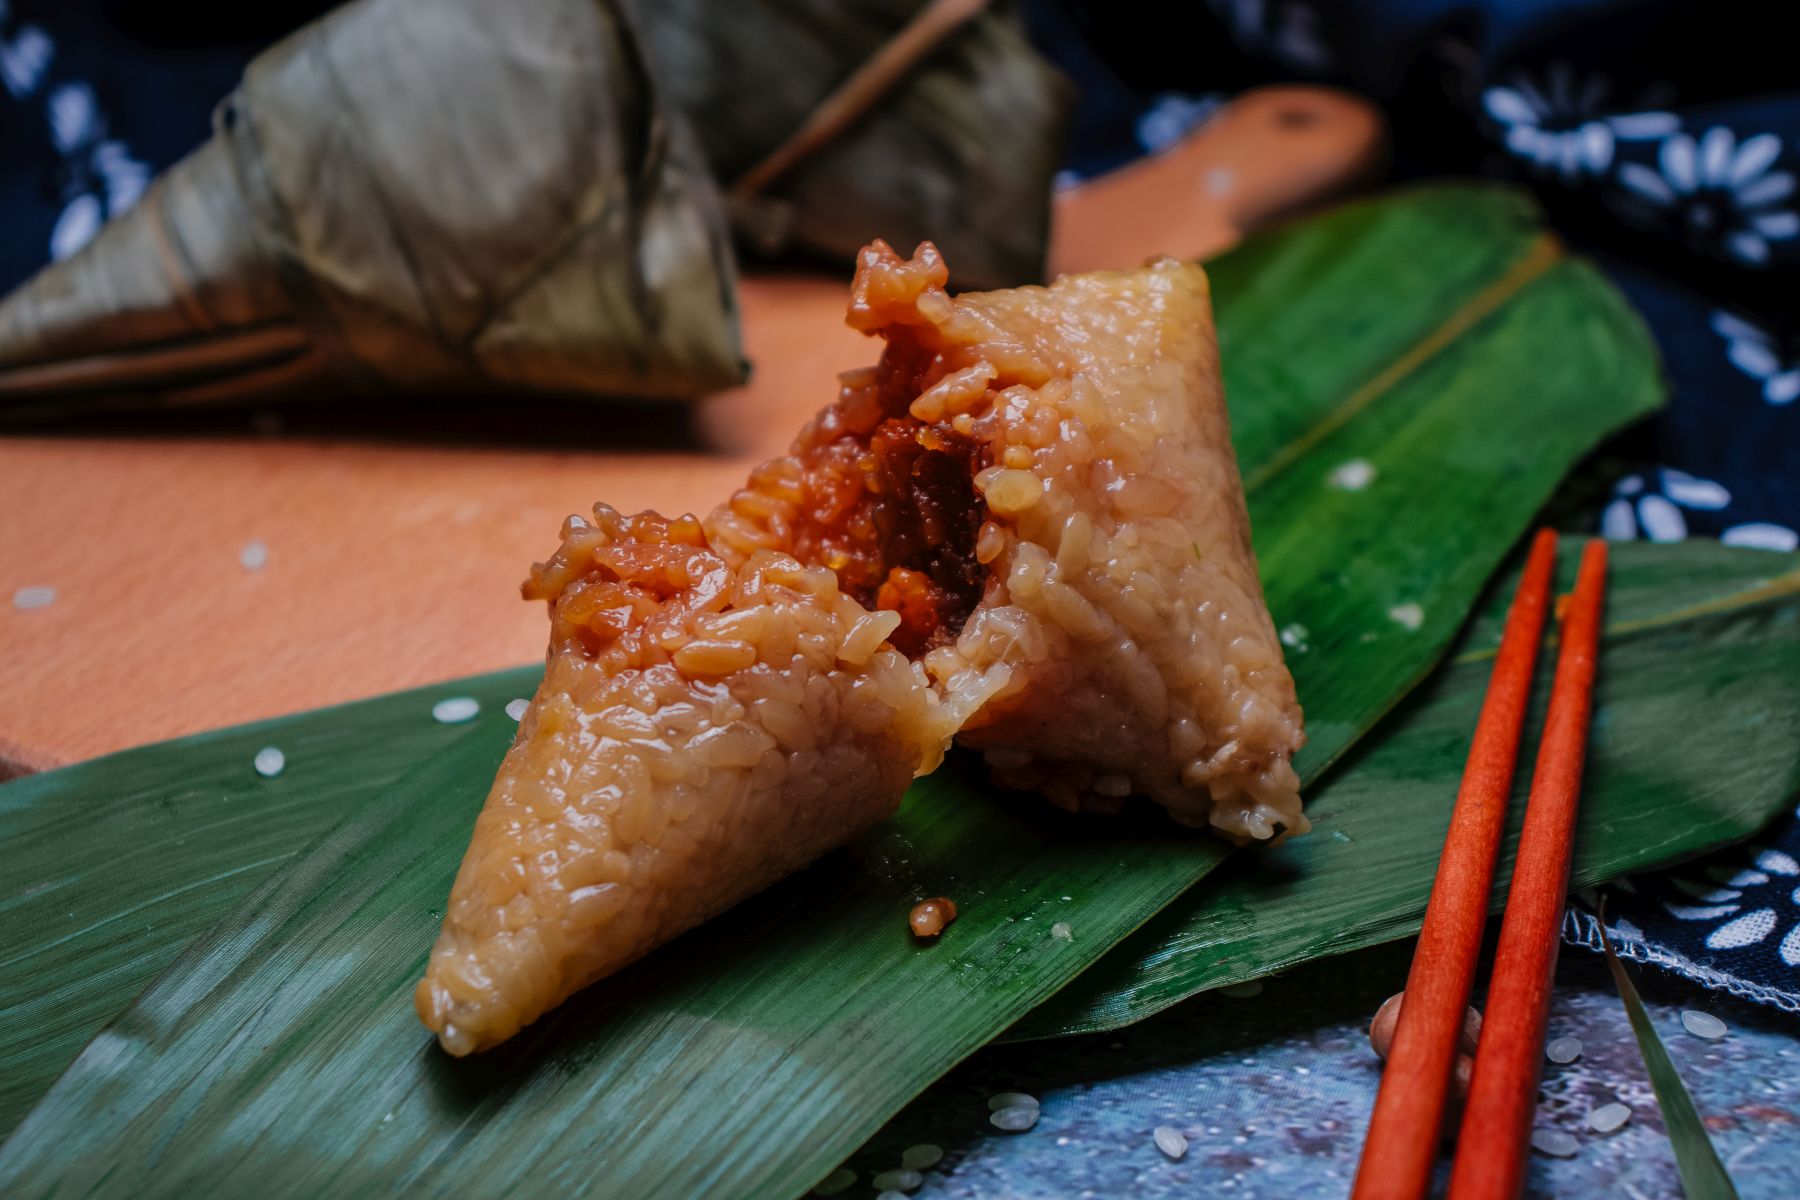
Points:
1496	1125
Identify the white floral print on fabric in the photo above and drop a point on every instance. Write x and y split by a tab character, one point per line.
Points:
1718	194
1753	350
1763	895
1582	928
1730	922
1560	121
24	59
103	179
1652	508
74	117
76	226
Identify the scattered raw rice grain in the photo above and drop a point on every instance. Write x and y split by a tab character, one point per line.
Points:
34	597
1243	991
1062	931
516	708
1563	1050
904	1179
1703	1025
839	1180
1171	1141
1609	1117
1016	1119
922	1157
1353	476
1554	1142
1011	1100
254	556
455	710
928	918
269	762
1407	616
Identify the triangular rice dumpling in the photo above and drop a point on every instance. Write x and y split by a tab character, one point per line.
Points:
1024	528
407	194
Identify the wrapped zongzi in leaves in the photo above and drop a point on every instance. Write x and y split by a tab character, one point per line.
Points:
961	150
445	195
406	195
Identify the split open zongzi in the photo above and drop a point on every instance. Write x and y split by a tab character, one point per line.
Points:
1023	528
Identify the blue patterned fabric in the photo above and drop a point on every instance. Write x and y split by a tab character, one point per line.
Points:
1663	138
97	96
1729	921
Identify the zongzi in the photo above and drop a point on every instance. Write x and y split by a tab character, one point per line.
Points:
962	148
355	223
1023	528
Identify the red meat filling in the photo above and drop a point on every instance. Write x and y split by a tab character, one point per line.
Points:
891	503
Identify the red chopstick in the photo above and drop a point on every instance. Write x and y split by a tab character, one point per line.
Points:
1409	1109
1496	1128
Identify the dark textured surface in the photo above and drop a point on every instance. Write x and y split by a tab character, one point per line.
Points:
1274	1093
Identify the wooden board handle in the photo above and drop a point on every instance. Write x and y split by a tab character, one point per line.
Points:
1266	153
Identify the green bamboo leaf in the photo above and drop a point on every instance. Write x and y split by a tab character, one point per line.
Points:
1317	321
1375	311
1673	770
1469	366
281	1054
1703	1176
109	868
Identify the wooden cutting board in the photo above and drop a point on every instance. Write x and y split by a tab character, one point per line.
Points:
396	539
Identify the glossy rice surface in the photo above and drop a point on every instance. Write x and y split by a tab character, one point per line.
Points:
1120	644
